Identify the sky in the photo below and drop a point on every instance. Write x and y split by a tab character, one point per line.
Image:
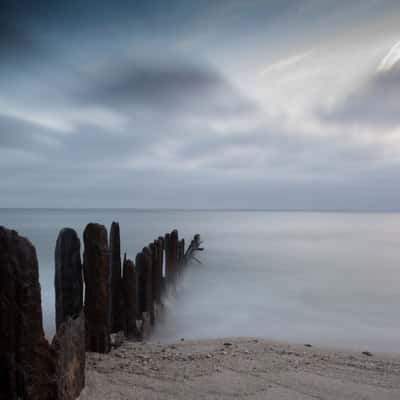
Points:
231	104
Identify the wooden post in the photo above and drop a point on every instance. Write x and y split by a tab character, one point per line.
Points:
181	254
174	238
149	299
171	250
160	260
68	280
140	285
161	241
155	248
69	342
69	346
168	267
97	302
116	299
27	364
129	295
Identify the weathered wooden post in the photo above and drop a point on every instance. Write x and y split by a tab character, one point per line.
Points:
182	250
159	272
154	262
68	280
174	237
161	241
181	254
116	299
129	296
96	273
149	300
156	250
168	266
144	292
171	250
140	285
69	345
69	342
27	363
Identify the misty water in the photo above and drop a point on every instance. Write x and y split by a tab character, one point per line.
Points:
327	278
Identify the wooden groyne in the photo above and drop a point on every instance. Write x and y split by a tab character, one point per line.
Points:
95	298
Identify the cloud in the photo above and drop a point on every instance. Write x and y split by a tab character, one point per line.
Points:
151	83
375	103
164	86
161	105
19	40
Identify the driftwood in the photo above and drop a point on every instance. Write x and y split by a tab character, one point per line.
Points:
191	250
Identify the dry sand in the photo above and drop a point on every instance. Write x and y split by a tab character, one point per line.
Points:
242	368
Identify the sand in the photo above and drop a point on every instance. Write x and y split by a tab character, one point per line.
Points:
243	368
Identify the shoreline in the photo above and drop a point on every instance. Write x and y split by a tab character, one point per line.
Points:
243	367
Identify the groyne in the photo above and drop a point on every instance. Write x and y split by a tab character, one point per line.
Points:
98	298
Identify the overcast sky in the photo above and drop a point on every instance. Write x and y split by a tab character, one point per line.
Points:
269	104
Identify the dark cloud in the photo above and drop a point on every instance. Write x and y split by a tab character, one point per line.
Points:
16	42
375	103
165	86
152	83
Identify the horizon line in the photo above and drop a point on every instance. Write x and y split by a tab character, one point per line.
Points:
360	210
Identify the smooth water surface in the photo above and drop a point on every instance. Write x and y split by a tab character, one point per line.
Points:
329	278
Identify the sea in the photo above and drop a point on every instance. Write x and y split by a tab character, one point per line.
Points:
324	278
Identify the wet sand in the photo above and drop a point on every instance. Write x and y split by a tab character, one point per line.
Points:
239	368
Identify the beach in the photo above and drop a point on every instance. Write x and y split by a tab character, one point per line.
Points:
239	368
